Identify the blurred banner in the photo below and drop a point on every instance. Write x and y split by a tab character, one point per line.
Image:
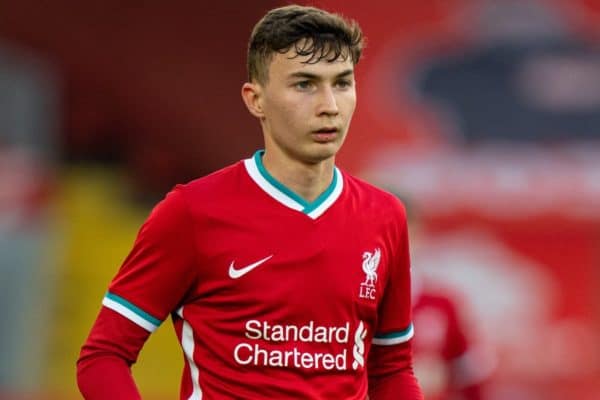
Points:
485	116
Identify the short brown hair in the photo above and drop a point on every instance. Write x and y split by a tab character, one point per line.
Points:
312	31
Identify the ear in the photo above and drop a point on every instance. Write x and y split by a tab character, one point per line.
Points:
252	95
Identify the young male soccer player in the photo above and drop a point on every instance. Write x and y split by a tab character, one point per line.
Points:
285	277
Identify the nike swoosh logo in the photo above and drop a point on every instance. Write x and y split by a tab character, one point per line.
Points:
237	273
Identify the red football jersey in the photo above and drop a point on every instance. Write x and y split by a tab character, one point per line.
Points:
271	296
442	357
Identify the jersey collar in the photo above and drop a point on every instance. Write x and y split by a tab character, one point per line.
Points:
284	195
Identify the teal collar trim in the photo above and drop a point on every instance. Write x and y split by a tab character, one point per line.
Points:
283	194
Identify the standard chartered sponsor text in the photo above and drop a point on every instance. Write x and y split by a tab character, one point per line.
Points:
264	335
245	354
305	333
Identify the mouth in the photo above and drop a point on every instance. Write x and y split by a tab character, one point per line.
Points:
325	134
327	129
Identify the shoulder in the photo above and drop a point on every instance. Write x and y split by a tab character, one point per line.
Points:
367	193
223	185
433	300
219	180
445	301
185	197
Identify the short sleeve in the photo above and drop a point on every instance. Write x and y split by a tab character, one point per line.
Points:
160	269
395	325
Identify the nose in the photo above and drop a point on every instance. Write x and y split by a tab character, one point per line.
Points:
327	102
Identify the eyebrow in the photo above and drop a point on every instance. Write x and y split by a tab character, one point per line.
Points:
308	75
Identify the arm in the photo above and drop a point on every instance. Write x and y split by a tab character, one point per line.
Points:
152	282
389	365
103	368
391	375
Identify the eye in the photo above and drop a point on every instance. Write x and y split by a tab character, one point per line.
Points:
303	85
344	83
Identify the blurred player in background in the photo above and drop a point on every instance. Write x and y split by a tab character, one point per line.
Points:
285	277
445	357
443	362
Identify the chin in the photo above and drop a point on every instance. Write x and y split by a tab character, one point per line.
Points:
323	152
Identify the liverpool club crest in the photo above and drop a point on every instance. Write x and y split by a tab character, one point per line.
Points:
369	267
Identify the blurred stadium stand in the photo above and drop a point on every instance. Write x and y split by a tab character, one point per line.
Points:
28	116
147	96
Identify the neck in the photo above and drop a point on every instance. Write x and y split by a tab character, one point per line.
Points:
308	180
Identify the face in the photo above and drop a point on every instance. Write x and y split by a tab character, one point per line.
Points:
305	109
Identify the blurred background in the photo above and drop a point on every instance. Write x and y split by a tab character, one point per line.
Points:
484	116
